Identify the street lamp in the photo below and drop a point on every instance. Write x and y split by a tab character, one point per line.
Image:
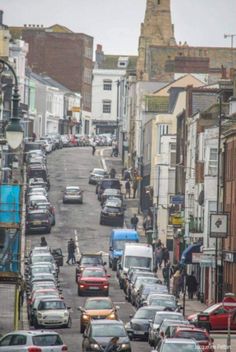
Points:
14	130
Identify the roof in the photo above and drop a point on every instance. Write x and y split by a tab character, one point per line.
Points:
110	62
48	81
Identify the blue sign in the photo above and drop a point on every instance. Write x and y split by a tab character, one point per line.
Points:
177	199
10	205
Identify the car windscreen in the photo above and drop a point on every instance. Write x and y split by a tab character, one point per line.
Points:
107	330
98	304
50	305
42	258
41	269
91	260
196	335
93	273
162	302
142	280
143	262
72	190
119	245
99	172
145	314
47	340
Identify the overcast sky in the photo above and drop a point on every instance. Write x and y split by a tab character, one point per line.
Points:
116	23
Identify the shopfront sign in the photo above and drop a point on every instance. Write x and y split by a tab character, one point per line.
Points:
218	225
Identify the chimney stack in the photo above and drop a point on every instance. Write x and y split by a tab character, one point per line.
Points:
1	17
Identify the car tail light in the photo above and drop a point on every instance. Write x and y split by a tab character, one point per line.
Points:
64	348
34	349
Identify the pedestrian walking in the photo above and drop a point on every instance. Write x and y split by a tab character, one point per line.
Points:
165	255
127	189
112	173
166	273
134	222
176	283
114	151
134	186
147	223
191	284
158	257
43	242
71	251
93	149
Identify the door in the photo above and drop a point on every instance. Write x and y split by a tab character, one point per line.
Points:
219	319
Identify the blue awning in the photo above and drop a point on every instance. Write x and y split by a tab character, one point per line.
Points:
186	257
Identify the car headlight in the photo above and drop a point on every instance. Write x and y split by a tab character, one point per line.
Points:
95	346
39	315
125	346
111	316
85	316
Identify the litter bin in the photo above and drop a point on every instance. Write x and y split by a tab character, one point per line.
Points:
149	236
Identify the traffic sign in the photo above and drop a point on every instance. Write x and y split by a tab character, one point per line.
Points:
219	225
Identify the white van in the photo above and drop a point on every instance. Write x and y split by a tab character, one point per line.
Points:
135	255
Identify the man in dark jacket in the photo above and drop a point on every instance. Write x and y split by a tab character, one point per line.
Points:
191	283
71	251
134	222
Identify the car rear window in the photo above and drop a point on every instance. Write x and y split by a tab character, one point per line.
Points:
110	184
91	260
40	216
196	335
47	340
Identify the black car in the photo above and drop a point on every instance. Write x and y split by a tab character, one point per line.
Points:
107	183
99	333
140	322
38	221
111	193
112	214
88	259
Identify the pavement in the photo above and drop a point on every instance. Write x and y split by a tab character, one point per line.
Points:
108	162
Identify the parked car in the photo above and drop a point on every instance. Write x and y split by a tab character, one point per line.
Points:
112	214
154	329
53	313
73	194
93	280
179	345
129	274
110	193
161	332
97	175
100	332
107	183
132	279
38	221
146	289
97	308
137	283
36	340
215	317
202	336
138	327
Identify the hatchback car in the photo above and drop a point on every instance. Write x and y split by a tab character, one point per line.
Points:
100	332
179	345
112	214
87	260
73	194
97	308
107	183
110	193
52	313
97	175
38	221
93	280
32	341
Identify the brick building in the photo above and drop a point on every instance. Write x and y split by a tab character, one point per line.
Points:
61	54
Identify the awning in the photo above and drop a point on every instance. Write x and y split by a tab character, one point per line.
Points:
186	257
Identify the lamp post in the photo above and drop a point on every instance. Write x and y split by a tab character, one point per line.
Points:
14	130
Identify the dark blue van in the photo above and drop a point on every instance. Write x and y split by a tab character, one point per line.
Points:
118	238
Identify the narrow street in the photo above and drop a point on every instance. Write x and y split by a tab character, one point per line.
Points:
71	166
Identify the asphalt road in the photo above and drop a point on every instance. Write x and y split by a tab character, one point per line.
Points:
71	166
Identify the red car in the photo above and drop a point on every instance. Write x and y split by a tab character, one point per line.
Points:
200	335
215	317
93	280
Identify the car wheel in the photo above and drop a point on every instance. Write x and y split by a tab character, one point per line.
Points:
69	324
114	266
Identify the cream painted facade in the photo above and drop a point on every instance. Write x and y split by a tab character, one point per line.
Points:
4	42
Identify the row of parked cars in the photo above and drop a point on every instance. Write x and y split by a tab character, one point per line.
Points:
45	305
40	213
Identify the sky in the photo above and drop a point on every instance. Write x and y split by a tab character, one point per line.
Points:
116	23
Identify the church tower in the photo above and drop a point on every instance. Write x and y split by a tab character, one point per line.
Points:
157	30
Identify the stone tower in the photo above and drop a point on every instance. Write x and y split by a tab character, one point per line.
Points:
156	30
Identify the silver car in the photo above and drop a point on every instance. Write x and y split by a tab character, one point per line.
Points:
97	175
19	341
73	194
